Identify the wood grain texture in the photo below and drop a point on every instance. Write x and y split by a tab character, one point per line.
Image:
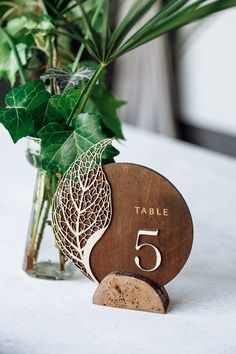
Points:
133	185
130	291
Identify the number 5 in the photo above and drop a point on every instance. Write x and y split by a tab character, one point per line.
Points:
137	247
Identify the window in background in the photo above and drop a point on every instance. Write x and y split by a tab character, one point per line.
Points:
206	57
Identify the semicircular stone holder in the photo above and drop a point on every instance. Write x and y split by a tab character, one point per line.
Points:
97	219
131	291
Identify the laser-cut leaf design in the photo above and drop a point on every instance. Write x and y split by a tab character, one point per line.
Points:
82	207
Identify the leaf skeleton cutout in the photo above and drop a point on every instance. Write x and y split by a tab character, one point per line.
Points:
82	207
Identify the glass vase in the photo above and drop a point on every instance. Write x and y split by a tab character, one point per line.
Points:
43	258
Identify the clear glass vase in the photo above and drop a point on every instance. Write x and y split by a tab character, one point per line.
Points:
43	258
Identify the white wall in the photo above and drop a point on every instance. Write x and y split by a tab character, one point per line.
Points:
208	73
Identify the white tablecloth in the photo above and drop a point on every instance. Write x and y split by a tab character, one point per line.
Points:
42	317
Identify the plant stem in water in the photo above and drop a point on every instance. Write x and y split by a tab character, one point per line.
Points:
40	237
62	261
41	199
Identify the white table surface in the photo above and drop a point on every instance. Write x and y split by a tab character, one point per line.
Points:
42	317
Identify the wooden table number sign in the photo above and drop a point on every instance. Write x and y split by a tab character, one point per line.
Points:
124	226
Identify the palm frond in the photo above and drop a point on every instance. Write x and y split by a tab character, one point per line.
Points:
93	35
106	48
134	14
173	16
105	28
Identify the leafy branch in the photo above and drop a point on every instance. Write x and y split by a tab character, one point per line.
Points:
107	45
110	46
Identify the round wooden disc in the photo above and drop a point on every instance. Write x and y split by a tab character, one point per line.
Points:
143	202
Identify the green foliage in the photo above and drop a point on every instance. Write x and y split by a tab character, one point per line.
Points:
18	123
31	110
106	45
23	105
63	144
36	39
103	101
14	34
59	5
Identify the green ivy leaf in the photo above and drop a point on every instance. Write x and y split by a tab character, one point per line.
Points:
55	111
58	108
103	101
90	128
68	100
23	95
38	109
57	145
61	144
17	121
24	106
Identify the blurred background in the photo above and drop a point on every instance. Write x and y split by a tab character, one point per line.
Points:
183	84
